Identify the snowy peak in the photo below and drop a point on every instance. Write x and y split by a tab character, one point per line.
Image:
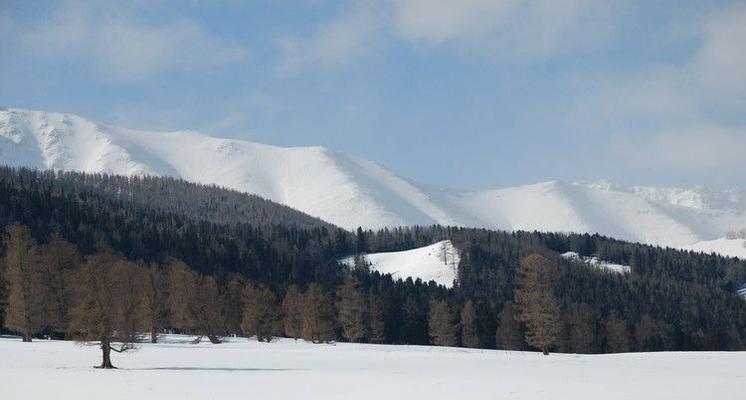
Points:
351	192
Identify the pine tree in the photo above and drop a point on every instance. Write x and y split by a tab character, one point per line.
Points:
441	328
509	335
536	305
469	336
292	308
353	312
25	312
318	315
261	317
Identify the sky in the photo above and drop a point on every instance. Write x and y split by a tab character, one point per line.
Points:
470	94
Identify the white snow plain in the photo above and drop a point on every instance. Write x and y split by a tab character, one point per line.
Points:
351	192
286	369
437	262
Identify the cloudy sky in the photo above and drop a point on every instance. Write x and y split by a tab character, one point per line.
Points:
462	93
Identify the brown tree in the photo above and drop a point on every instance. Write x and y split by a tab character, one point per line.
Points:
318	315
469	336
536	305
108	303
233	304
352	309
652	334
261	316
509	335
292	309
194	302
25	311
617	335
581	328
155	298
377	323
441	328
59	261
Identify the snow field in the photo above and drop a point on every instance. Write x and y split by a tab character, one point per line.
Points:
286	369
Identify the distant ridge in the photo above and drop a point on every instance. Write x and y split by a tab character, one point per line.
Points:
350	192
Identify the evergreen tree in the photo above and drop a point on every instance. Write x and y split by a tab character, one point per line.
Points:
652	335
535	301
469	336
441	328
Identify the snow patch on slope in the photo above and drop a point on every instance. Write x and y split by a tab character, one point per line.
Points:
597	263
437	262
730	247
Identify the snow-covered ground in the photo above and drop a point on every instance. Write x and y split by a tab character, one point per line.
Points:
731	247
437	262
351	192
597	263
246	369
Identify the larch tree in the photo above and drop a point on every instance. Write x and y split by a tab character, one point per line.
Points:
469	336
25	311
508	335
377	323
618	336
319	321
194	302
108	306
581	333
292	309
352	308
441	327
59	261
536	305
261	316
155	298
233	304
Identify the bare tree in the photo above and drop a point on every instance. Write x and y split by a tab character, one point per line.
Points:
318	315
261	317
508	335
59	261
352	308
377	323
292	308
233	304
25	311
469	336
108	303
194	302
155	298
535	301
441	327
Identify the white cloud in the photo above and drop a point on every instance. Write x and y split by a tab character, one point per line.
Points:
120	47
349	36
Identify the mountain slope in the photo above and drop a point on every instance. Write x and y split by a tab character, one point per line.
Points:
351	192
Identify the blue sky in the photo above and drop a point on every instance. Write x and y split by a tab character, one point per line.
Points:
467	93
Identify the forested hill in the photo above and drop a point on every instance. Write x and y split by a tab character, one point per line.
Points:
203	202
671	299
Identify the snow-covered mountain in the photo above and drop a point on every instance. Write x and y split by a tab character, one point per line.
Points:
352	192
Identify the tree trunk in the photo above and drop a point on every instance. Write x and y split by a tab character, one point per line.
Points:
26	338
106	353
545	351
153	336
213	339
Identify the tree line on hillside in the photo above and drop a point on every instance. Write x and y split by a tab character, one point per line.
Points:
672	300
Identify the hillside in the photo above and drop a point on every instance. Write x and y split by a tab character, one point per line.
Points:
351	192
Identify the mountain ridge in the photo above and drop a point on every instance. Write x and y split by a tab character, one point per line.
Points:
349	191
